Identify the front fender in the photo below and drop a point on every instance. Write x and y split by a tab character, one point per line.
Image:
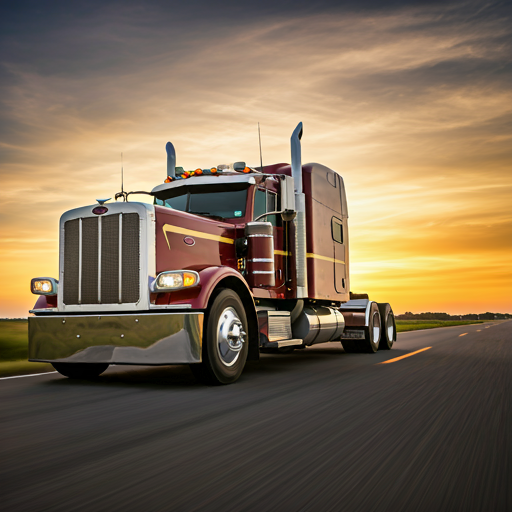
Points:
210	278
198	297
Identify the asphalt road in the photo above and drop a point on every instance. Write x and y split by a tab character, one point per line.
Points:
316	430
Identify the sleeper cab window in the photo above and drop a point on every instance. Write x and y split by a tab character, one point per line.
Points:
337	230
264	202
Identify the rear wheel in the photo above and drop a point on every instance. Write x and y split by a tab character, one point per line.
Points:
372	335
373	331
225	341
80	370
388	326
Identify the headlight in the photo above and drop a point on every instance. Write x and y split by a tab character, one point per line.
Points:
175	280
44	286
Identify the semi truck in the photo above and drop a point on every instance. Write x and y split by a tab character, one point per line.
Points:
227	262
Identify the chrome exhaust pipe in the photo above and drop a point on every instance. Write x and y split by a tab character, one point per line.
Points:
300	219
171	160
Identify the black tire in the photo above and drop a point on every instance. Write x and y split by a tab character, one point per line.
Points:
388	326
80	370
222	361
373	332
372	335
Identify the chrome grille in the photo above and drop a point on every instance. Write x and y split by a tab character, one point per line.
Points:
102	260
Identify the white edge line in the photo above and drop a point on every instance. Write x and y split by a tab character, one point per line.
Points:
31	375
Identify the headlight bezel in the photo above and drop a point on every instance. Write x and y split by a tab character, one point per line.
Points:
189	279
37	286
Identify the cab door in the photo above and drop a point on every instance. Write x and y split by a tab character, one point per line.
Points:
267	200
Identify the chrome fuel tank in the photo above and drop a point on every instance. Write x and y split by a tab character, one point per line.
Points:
318	324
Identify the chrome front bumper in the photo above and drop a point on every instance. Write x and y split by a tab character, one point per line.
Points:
145	339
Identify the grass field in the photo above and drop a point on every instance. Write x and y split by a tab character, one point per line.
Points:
14	343
416	325
14	350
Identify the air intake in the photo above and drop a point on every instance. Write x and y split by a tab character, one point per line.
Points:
102	260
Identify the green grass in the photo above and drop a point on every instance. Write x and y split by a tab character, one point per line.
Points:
13	340
14	350
416	325
10	368
14	343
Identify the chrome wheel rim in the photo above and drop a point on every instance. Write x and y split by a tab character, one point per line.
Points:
376	328
391	329
230	336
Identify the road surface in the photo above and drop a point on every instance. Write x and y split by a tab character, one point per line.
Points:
316	430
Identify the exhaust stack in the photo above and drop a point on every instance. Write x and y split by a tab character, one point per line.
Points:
300	220
171	160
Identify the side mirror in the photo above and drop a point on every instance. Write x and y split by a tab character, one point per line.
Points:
288	215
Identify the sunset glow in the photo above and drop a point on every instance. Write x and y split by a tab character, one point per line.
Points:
410	104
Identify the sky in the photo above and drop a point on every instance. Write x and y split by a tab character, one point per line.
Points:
411	102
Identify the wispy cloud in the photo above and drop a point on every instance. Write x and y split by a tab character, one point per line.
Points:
412	105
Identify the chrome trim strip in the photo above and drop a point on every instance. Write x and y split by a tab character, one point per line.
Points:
170	306
99	259
80	260
262	272
260	236
262	260
218	179
43	310
120	258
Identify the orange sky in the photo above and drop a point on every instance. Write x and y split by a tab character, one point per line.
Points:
411	105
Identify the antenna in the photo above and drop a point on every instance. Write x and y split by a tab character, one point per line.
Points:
122	194
261	156
122	174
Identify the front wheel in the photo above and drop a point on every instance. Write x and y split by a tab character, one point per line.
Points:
225	341
80	370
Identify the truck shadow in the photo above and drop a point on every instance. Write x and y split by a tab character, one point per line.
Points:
313	359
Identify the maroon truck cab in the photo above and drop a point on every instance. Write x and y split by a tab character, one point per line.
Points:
226	263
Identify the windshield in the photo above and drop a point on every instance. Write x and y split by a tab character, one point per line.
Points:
211	200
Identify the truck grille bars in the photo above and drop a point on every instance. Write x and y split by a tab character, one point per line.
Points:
102	260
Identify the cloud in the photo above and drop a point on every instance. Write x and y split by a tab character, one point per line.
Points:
411	104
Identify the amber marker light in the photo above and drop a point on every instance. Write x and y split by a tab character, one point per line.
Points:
213	170
189	279
168	179
199	172
247	169
44	286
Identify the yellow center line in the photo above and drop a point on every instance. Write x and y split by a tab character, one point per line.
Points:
479	330
464	334
403	357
